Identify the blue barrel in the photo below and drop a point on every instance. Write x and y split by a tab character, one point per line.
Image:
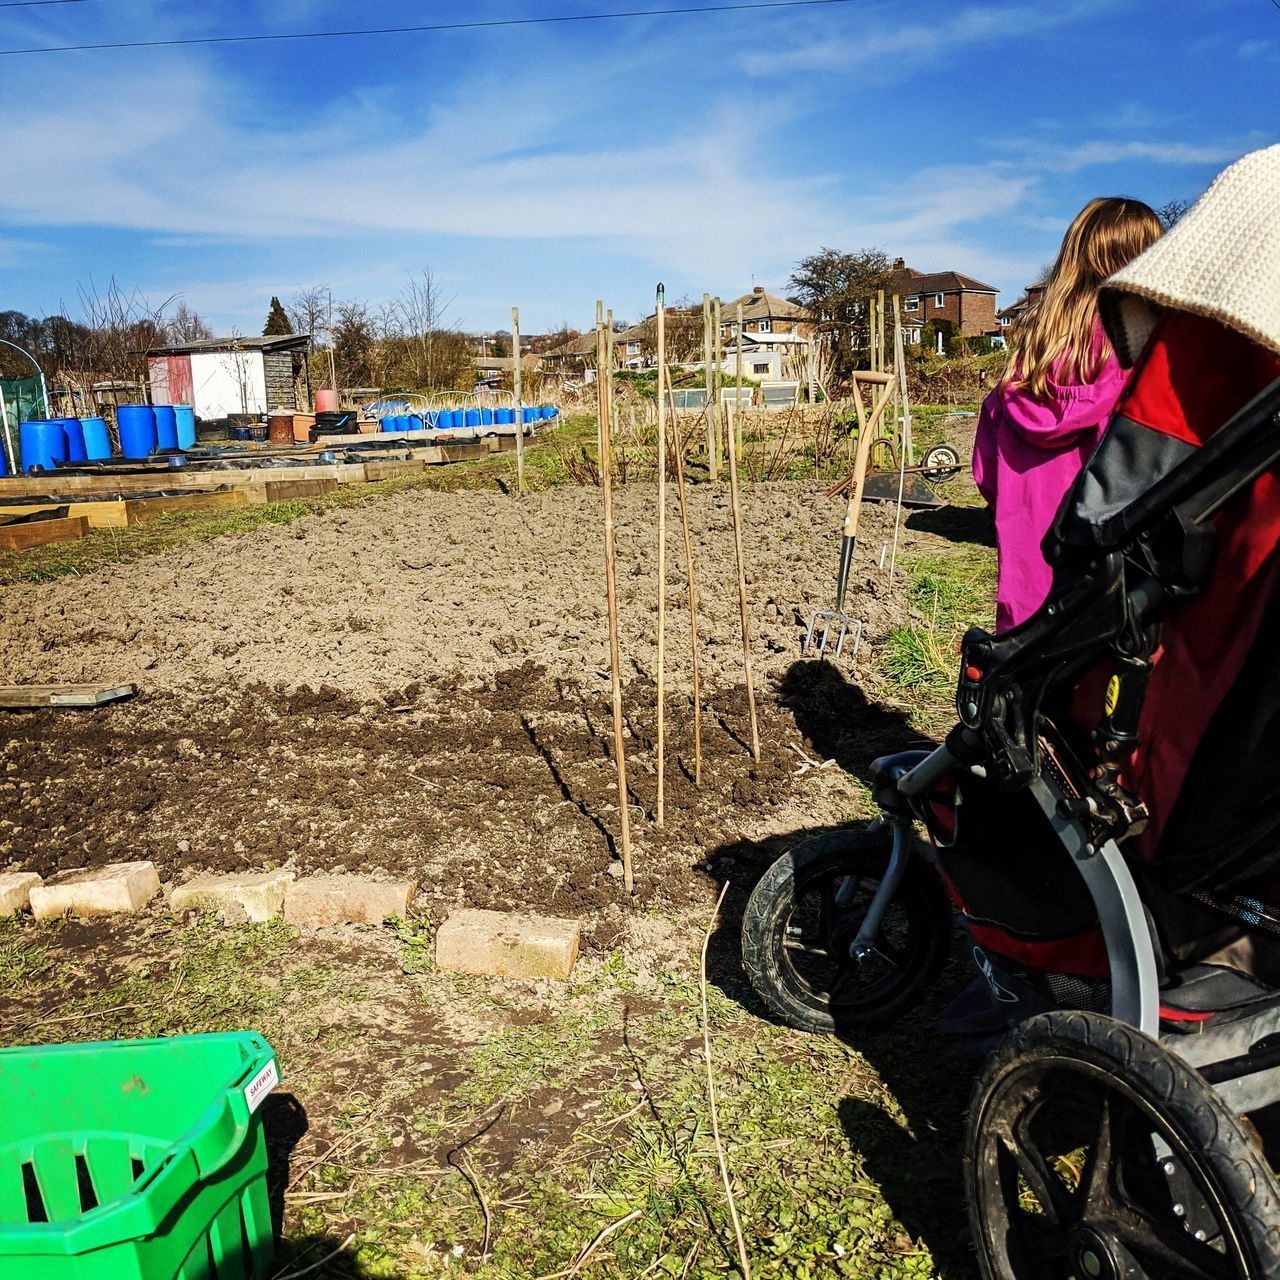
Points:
75	440
504	417
415	422
388	423
486	417
186	417
552	411
97	443
431	419
137	423
445	421
472	418
530	414
43	444
166	427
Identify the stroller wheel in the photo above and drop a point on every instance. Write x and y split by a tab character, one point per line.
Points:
805	912
1094	1152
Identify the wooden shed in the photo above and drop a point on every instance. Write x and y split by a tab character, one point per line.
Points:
222	376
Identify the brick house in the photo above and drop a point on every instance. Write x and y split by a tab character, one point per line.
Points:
765	315
967	303
1010	315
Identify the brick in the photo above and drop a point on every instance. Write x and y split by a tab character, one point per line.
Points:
504	945
235	898
99	891
15	891
324	900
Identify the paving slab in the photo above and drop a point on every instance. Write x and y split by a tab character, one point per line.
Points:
506	945
119	887
317	901
235	898
15	891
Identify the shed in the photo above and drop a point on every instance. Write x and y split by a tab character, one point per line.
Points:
222	376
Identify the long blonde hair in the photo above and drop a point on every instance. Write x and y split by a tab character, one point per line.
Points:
1058	338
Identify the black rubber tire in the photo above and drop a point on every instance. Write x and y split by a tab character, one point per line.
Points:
921	904
1151	1080
941	462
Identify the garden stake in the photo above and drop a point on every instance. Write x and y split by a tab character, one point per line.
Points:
904	438
693	596
515	365
717	360
662	553
707	344
742	592
611	591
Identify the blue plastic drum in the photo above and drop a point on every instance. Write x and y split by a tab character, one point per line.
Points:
472	419
389	423
43	444
504	417
137	424
97	443
75	440
415	422
166	427
186	418
486	417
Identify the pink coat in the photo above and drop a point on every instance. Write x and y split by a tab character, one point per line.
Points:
1026	456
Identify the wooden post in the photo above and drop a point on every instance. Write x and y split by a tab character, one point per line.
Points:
611	592
904	438
693	595
661	317
599	378
742	592
515	365
707	349
609	348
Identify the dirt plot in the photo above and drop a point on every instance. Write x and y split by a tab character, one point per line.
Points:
422	689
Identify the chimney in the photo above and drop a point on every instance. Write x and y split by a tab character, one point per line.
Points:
899	264
758	289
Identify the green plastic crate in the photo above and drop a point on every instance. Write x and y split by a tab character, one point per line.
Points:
135	1160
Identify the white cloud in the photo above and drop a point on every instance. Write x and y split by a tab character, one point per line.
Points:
885	45
1054	158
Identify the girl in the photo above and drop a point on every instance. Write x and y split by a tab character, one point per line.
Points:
1040	425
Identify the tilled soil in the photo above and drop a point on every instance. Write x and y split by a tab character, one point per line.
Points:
421	688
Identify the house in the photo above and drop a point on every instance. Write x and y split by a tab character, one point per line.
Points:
222	376
573	360
968	304
1010	315
767	318
495	371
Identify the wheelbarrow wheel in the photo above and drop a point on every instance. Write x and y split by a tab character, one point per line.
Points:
941	462
805	912
1094	1152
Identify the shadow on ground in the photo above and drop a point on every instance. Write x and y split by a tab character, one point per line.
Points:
909	1143
956	524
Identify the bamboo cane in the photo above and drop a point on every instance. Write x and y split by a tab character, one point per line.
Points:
735	443
693	596
717	360
662	555
611	591
742	593
904	438
515	365
880	328
706	369
600	373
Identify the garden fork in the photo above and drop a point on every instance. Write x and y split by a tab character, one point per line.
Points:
836	618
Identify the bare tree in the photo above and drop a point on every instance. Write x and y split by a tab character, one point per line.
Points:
1171	211
309	313
186	325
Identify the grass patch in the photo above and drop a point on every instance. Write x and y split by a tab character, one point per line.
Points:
952	593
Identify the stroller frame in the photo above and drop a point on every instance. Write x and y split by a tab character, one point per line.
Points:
1115	577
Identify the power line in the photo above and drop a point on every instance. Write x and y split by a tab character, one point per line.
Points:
420	30
33	4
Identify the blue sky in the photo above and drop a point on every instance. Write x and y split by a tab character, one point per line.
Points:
547	166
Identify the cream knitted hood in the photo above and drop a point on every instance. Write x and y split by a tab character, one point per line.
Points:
1220	260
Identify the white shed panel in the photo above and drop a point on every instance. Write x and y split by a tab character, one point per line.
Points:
226	382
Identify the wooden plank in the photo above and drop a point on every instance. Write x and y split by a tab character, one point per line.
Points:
283	490
140	510
13	696
18	537
466	452
101	515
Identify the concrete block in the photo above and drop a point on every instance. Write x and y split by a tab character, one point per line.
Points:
505	945
323	900
235	898
99	891
15	891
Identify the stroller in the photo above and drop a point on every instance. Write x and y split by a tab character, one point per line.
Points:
1104	819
